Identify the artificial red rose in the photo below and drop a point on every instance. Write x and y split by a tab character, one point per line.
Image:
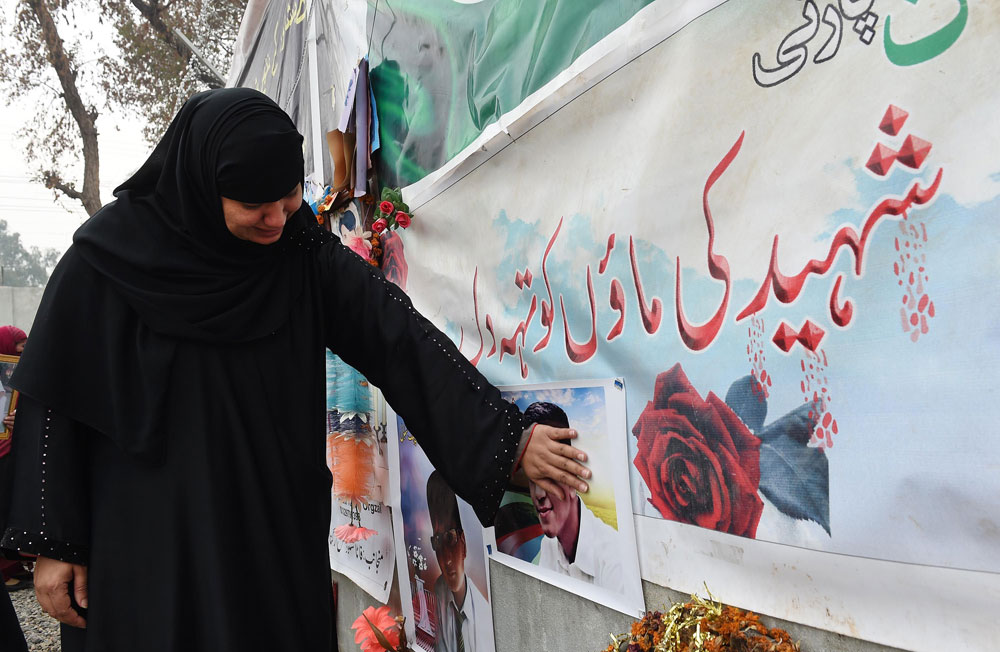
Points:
380	225
386	207
394	260
698	459
402	219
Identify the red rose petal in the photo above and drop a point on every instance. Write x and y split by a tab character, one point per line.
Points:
699	461
670	382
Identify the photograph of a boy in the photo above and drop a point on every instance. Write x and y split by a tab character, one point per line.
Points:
460	606
444	554
577	543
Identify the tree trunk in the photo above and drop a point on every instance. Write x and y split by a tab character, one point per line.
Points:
90	195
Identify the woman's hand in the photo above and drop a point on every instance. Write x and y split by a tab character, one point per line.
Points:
547	461
53	580
8	421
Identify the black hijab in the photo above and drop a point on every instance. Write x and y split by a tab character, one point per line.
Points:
158	265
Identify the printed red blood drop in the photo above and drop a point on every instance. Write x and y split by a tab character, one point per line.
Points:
914	319
834	427
923	303
827	418
895	268
930	309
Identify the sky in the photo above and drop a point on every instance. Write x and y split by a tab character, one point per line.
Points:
34	211
28	207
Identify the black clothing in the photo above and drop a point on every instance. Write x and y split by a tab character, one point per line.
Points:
175	548
171	269
171	428
11	638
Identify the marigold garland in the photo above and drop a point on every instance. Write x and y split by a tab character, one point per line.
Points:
701	625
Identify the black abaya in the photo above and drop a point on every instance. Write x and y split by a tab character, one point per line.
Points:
170	434
178	548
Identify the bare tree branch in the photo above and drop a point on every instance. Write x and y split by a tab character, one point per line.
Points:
53	181
147	72
153	12
85	118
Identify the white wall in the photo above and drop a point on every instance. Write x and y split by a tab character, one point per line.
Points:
18	306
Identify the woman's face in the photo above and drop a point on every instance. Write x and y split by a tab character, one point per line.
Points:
261	223
19	347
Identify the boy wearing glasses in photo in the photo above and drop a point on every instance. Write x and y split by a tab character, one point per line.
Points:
460	605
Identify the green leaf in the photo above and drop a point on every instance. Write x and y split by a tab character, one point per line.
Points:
794	476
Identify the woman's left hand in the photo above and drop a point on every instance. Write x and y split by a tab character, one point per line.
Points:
8	421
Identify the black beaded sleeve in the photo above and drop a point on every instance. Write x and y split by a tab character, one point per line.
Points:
49	512
469	433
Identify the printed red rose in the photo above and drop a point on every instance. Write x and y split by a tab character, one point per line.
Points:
394	260
380	225
402	219
698	459
386	207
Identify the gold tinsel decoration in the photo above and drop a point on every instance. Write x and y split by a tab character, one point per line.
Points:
702	625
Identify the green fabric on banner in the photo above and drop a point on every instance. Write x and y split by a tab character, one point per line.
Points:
442	71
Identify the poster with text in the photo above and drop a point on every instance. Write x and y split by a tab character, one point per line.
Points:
778	225
776	221
361	531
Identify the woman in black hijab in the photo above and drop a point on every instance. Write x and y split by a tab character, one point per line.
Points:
172	414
